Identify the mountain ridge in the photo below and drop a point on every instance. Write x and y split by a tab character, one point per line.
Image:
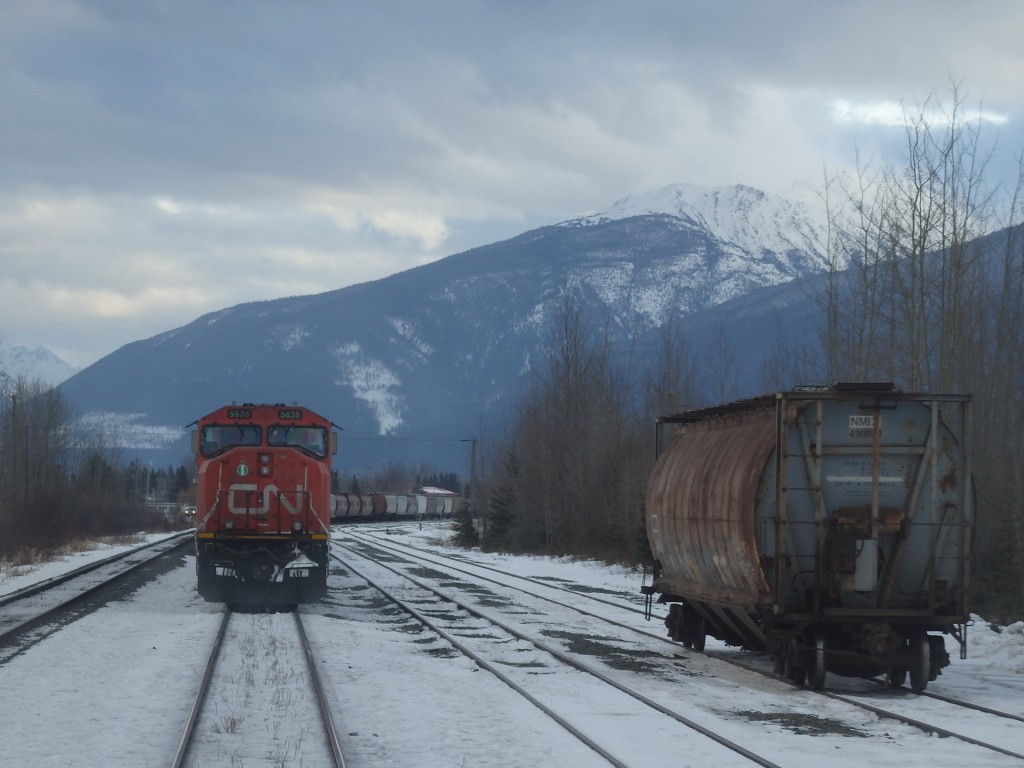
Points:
34	363
443	349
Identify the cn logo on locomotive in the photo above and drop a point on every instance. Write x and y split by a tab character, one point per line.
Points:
270	491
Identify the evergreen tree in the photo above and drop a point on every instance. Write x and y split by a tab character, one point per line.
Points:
501	517
466	534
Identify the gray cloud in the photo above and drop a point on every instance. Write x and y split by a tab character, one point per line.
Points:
160	160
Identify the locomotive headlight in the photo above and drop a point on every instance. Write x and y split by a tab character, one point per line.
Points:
229	524
296	526
265	471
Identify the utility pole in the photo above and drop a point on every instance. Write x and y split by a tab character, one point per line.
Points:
472	474
8	472
14	458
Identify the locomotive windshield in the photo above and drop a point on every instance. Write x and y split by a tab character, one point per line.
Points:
310	439
217	438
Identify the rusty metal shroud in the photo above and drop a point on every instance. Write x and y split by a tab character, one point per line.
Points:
836	504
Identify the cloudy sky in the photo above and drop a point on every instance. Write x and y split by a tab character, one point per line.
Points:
160	159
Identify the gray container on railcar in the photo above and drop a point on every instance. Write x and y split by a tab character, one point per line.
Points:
839	515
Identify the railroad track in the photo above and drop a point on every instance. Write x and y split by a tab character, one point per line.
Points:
260	694
488	641
27	609
929	712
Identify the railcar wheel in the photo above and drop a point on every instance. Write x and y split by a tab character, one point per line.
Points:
816	670
895	677
697	633
674	622
794	668
920	661
939	658
796	673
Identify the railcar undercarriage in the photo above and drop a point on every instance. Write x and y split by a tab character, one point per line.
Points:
804	650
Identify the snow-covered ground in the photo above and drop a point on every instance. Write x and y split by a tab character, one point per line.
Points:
16	576
113	688
992	676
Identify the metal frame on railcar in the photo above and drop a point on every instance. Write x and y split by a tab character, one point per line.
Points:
828	526
263	504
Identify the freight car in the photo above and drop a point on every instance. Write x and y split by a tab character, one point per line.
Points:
263	504
377	506
827	526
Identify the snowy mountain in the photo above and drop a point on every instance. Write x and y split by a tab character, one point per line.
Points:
752	240
752	221
433	356
36	363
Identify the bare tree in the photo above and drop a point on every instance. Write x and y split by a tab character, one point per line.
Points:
854	301
793	361
929	302
721	366
575	444
35	428
671	384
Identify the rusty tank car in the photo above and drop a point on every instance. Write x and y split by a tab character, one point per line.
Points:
827	526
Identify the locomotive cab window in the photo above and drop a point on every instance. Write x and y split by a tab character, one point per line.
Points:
216	437
310	439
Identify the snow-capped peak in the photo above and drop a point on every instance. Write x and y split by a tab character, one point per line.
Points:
753	220
35	363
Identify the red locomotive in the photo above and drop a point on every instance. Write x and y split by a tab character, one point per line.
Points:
263	504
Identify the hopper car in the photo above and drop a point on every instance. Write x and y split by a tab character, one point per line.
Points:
378	506
263	504
829	527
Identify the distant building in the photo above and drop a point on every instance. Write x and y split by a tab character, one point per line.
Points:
429	490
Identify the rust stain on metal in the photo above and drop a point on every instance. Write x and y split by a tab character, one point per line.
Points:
948	481
706	486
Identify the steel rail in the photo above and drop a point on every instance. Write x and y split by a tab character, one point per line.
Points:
937	730
204	689
441	561
321	694
22	626
561	656
968	705
55	581
486	665
889	715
